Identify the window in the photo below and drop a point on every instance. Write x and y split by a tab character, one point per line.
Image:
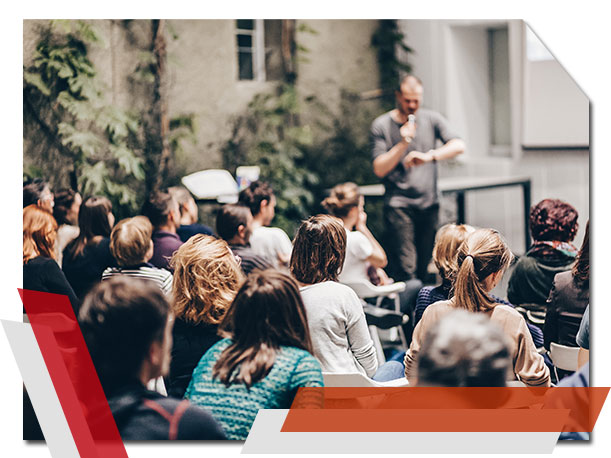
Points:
259	49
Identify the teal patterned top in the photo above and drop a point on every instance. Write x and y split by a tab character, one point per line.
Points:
235	407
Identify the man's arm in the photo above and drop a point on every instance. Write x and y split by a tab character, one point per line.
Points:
384	163
451	149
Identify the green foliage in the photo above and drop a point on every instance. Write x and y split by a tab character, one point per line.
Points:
387	40
268	135
75	137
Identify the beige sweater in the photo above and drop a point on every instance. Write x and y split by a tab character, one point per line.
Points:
528	364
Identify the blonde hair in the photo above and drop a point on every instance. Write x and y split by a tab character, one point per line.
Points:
130	240
447	241
206	279
484	252
39	233
343	198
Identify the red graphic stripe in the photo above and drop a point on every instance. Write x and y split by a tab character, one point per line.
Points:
73	375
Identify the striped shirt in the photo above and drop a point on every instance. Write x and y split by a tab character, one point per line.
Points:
146	271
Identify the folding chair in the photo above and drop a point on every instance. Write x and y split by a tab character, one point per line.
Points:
357	380
563	357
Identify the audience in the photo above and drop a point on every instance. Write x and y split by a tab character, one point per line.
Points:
482	259
269	242
40	271
464	349
65	211
188	214
38	192
264	358
234	225
568	299
447	241
340	337
132	247
87	256
553	225
127	326
162	211
206	279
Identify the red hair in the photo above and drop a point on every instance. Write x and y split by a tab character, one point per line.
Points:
39	233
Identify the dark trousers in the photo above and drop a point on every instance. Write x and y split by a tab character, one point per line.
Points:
409	240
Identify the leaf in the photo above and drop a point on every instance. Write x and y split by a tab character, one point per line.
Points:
132	164
34	79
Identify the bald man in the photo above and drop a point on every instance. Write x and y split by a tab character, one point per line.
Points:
405	154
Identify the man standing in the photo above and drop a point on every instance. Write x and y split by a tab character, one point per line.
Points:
163	212
405	156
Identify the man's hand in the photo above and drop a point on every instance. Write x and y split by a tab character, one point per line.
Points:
415	158
408	131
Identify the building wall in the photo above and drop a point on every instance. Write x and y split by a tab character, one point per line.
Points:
202	65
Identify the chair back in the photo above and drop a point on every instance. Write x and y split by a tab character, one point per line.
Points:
357	380
365	289
564	357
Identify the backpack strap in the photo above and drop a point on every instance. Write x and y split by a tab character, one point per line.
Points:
173	419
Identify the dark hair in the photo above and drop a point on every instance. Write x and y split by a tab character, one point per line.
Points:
158	206
484	252
229	218
64	199
319	250
254	194
464	349
343	198
93	224
267	313
33	191
581	268
553	220
120	319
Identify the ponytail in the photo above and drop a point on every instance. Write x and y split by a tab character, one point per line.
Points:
483	253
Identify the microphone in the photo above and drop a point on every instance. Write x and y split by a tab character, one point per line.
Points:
411	119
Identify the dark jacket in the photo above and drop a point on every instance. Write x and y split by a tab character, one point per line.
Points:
85	271
141	414
186	231
191	341
565	307
43	274
249	260
533	275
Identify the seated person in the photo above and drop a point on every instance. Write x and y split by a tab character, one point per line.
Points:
234	225
340	336
553	225
162	211
464	349
583	339
127	326
65	211
269	242
88	255
206	279
188	214
264	358
568	299
482	259
132	247
38	192
447	241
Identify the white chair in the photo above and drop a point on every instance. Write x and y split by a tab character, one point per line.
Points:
514	383
357	380
563	357
366	290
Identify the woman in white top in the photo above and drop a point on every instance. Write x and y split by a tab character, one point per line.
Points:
340	337
365	257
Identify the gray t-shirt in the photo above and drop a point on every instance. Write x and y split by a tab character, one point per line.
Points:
414	186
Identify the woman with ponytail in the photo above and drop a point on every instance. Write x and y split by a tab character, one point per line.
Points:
482	259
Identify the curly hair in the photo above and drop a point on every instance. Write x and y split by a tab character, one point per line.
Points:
343	198
553	220
206	279
319	250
